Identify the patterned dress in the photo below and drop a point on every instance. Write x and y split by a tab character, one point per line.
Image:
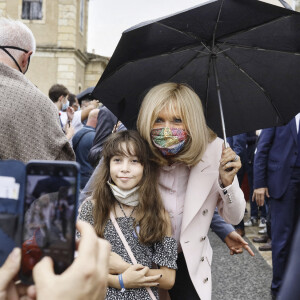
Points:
163	253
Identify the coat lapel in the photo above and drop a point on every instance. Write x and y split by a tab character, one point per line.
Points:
199	185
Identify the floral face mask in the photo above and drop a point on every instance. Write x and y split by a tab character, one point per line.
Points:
169	141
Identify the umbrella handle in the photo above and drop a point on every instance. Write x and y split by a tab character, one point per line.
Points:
214	57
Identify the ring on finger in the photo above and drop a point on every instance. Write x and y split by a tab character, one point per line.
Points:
236	158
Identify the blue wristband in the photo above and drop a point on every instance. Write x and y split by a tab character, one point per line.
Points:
121	283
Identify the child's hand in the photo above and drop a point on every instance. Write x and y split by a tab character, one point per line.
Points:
116	264
135	277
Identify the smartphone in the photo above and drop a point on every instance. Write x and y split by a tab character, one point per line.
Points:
50	209
12	190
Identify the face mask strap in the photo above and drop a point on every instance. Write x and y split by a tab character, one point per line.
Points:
15	48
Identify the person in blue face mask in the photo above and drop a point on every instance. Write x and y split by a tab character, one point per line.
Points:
60	95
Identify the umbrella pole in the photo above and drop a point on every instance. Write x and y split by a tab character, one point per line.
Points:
214	57
285	5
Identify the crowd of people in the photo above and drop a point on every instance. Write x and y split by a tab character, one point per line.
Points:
150	196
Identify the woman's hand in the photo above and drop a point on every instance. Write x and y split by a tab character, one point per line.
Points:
229	159
135	277
116	264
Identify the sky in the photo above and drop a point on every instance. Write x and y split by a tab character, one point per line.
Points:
109	18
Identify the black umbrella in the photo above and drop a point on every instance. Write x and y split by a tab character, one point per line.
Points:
251	48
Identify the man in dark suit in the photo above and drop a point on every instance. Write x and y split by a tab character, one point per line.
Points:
290	288
277	175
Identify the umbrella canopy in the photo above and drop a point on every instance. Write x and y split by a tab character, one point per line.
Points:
255	48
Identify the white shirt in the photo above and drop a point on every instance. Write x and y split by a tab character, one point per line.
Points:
76	122
297	121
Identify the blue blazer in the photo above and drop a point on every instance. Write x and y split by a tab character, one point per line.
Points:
275	158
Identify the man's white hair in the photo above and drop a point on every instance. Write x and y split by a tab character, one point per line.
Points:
15	33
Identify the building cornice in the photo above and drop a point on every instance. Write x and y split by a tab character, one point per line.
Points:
82	56
85	57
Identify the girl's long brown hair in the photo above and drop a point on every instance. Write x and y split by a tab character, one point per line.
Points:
150	214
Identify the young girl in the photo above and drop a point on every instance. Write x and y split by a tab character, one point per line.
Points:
126	186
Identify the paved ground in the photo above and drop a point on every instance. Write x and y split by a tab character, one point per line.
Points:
240	277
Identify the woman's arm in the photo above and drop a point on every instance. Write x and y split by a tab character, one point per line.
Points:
231	203
167	278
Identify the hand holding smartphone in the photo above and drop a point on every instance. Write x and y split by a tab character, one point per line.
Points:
49	215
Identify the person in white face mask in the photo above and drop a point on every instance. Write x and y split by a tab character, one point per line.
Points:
126	209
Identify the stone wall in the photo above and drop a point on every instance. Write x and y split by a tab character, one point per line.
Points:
94	69
67	19
2	8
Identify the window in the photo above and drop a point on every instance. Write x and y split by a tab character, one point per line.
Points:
81	15
32	9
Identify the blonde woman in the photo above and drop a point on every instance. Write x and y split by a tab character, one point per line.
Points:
193	180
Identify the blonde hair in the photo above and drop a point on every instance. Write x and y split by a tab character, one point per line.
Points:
180	97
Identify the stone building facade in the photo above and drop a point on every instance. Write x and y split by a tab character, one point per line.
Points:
60	29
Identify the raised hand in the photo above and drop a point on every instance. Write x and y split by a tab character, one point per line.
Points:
229	159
